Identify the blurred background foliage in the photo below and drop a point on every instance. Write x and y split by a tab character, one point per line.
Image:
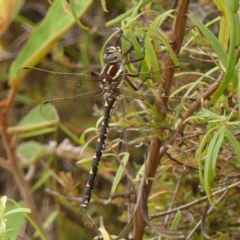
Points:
202	159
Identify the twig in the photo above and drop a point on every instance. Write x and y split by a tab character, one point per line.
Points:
194	202
174	197
154	154
201	221
12	165
197	104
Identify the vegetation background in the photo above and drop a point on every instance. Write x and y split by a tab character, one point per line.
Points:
185	160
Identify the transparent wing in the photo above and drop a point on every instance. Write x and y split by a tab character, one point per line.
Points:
52	85
71	94
148	97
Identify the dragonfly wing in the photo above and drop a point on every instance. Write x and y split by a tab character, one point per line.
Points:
69	94
146	98
45	85
71	107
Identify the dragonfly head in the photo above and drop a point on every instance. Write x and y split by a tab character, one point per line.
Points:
112	54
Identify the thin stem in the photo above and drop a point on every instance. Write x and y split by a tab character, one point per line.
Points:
154	152
158	215
12	165
173	199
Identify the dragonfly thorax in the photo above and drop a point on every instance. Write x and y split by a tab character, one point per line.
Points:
112	73
111	77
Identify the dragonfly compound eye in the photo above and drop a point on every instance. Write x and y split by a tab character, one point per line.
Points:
112	54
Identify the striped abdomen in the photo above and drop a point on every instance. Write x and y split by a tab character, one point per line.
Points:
109	105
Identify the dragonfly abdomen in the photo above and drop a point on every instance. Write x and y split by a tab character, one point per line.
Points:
109	105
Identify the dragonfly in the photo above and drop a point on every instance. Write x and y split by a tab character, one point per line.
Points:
84	89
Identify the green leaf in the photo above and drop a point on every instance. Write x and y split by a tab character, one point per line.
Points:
30	152
72	6
39	132
120	173
52	28
230	27
175	222
166	44
211	159
153	58
158	21
238	88
51	218
104	233
44	177
203	144
34	121
3	203
69	133
26	210
235	144
103	2
224	23
139	52
128	13
83	135
15	220
212	40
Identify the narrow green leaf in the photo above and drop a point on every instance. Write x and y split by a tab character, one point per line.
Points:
119	173
158	21
135	9
52	28
224	23
203	144
234	143
166	44
34	121
127	14
137	48
230	28
235	5
175	222
104	233
44	177
15	217
51	218
211	159
83	135
104	6
153	58
69	133
3	202
233	51
75	15
33	133
212	40
238	89
87	143
27	210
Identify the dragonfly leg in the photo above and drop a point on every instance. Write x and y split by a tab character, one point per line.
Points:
130	49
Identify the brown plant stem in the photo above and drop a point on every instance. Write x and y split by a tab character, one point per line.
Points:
11	164
154	152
